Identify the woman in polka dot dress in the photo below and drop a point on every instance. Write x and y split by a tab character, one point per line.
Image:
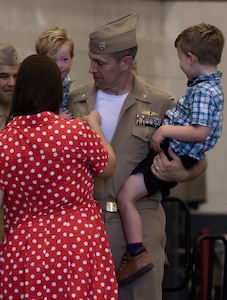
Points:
55	245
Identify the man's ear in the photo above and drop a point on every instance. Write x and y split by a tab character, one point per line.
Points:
126	62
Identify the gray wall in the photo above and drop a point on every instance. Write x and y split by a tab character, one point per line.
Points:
159	24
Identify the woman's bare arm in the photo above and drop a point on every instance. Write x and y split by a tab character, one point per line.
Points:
94	120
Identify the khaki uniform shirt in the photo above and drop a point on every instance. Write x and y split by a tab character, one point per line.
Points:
130	141
131	144
3	117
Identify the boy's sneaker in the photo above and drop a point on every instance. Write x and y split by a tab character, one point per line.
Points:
134	264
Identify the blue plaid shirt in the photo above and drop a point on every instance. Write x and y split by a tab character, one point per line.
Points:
66	86
202	105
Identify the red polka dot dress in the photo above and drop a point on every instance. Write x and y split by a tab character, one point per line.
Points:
55	245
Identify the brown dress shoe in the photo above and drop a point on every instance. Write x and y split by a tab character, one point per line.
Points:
133	266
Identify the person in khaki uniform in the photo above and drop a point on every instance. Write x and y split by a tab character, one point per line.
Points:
9	66
119	95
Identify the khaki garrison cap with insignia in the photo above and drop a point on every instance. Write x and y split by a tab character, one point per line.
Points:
115	36
8	55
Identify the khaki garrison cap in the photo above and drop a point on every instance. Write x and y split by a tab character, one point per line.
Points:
8	55
115	36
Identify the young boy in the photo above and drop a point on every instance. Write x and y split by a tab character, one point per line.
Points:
190	129
55	43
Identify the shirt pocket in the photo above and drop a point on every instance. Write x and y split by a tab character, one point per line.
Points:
140	143
143	132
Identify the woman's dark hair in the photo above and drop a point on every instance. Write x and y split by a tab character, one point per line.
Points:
38	87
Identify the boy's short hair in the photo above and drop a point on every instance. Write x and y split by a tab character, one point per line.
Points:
51	39
203	40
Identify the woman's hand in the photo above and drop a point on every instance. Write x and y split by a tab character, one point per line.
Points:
93	119
66	114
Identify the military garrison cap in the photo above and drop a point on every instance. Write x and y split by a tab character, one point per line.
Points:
115	36
8	55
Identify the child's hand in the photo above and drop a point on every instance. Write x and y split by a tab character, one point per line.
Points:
156	140
66	114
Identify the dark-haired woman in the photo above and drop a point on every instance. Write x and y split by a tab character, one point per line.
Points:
55	245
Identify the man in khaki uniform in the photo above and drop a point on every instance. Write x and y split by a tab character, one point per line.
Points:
120	96
9	66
